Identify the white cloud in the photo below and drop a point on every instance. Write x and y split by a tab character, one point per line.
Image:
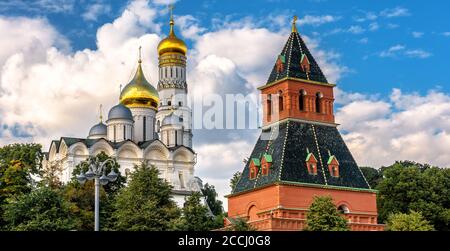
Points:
189	26
404	127
401	50
317	20
38	6
364	40
93	11
395	12
356	29
374	26
447	34
417	34
370	16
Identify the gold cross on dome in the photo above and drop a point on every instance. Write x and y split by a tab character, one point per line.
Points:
171	7
140	59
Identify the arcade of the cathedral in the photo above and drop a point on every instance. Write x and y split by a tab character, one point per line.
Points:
146	125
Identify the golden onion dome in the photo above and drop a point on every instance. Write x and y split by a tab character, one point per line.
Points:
171	43
139	92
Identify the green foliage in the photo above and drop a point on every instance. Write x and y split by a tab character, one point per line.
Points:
410	186
29	154
14	180
112	187
240	224
323	216
41	210
195	216
373	176
235	180
146	203
209	191
414	221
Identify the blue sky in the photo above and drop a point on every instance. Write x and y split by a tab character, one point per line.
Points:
377	27
60	59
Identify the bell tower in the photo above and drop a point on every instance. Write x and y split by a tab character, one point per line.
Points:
297	88
173	120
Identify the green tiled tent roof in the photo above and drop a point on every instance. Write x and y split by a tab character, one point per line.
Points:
293	52
256	161
290	153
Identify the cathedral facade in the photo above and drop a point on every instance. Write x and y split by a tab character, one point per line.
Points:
304	155
146	125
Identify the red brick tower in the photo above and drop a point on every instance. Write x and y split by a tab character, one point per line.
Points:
304	156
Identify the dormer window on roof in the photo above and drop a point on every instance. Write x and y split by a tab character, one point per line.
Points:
280	63
254	168
333	166
266	163
305	64
311	163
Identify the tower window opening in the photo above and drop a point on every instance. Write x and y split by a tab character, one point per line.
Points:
280	101
165	72
318	102
180	103
269	105
176	138
301	100
124	132
171	72
169	103
176	72
144	121
114	133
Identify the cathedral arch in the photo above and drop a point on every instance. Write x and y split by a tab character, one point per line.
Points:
156	151
53	151
79	149
183	154
63	149
129	150
101	146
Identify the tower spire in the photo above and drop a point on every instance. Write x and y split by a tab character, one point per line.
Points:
294	26
140	58
101	114
171	33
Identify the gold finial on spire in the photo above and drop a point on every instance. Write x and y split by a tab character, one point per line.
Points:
101	115
294	27
140	59
171	7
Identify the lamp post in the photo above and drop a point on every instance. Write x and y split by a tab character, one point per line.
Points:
97	172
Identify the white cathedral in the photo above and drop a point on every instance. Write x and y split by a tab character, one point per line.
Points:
146	125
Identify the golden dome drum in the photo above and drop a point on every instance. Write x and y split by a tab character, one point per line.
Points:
139	92
172	44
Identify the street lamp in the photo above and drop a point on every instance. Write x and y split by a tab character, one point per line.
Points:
97	171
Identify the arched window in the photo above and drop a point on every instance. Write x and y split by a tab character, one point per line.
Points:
165	74
280	100
176	72
318	102
269	105
124	132
301	100
158	125
343	209
171	72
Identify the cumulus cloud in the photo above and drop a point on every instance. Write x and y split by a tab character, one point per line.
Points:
93	11
317	20
401	50
39	6
403	127
395	12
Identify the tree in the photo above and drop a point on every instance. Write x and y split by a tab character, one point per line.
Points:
414	221
209	191
146	203
41	210
373	176
29	154
240	224
195	216
82	197
112	187
51	173
233	182
323	216
410	186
